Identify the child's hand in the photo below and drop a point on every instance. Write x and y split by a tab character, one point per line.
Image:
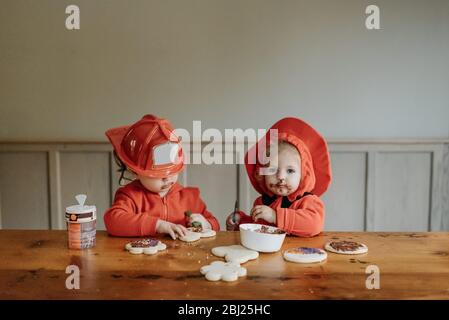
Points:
199	218
172	229
232	225
263	212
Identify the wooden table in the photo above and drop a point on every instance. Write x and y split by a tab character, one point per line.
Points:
33	264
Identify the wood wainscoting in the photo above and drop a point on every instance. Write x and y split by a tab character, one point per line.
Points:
377	185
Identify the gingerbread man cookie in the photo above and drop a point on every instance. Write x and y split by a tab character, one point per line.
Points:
235	253
226	271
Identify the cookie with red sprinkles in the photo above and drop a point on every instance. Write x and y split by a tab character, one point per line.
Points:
145	246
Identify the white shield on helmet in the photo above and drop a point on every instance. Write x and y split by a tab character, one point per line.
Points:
166	153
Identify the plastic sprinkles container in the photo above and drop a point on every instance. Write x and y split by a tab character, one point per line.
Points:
81	224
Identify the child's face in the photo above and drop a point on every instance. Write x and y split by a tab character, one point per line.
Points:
158	185
287	175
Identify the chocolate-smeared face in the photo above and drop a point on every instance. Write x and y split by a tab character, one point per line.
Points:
284	178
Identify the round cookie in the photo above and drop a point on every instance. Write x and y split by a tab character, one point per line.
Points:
346	247
145	246
305	255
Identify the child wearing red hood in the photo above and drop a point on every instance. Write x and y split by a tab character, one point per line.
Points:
290	189
153	202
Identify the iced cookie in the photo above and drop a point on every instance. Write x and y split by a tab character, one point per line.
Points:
305	255
146	246
191	236
346	247
226	271
204	233
235	253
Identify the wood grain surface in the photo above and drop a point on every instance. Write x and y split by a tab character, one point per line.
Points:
33	264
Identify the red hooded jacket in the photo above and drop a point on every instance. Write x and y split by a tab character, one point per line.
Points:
136	210
302	212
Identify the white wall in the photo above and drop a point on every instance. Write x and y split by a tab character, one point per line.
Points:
230	63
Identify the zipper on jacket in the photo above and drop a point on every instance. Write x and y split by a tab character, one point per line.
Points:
164	204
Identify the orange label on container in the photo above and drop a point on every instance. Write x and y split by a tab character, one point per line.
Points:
81	235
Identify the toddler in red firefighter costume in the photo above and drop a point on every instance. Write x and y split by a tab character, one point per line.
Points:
291	188
153	202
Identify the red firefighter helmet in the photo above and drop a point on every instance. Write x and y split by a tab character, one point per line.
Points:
149	147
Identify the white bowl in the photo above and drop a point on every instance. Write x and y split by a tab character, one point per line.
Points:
262	242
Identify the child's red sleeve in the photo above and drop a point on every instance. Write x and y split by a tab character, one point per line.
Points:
200	207
306	220
123	220
258	202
